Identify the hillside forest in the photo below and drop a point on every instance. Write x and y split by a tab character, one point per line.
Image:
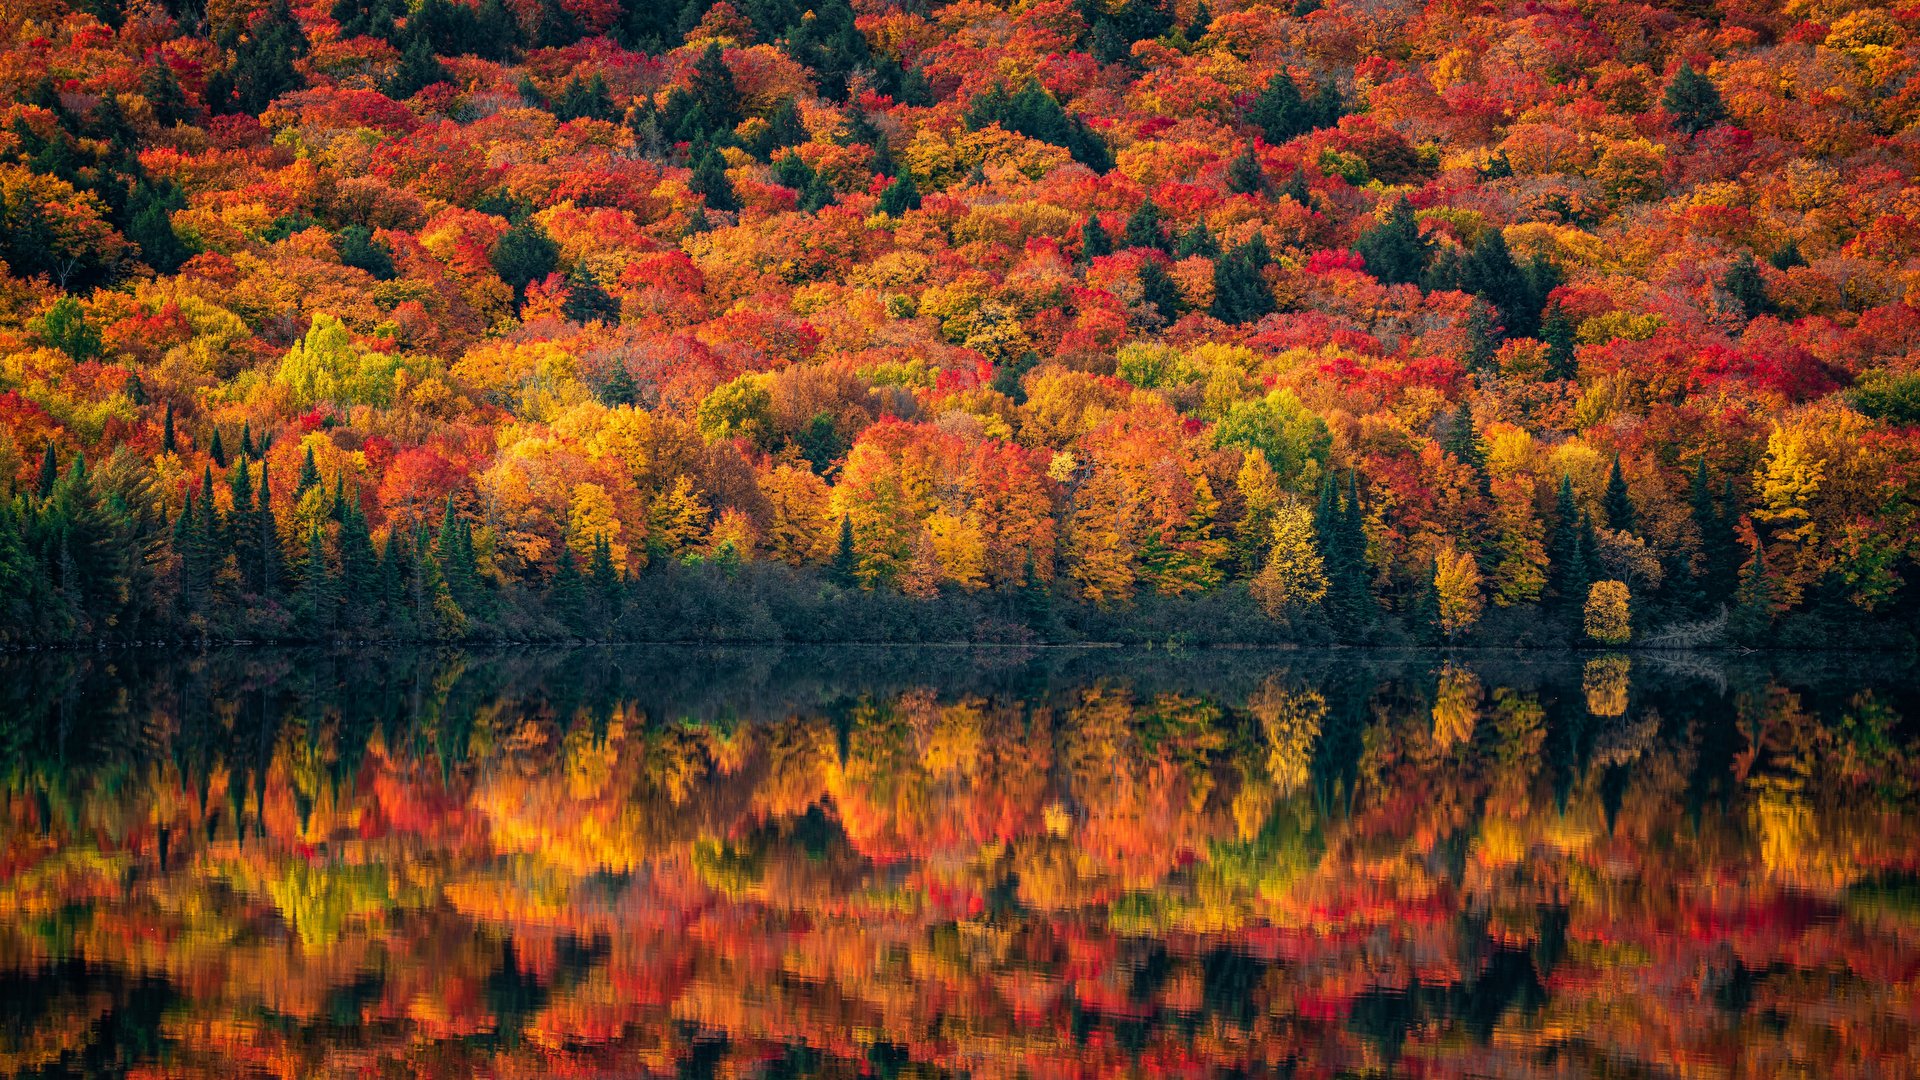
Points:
1368	321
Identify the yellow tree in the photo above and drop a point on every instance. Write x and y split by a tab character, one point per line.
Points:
1295	576
591	517
1608	613
1100	555
1456	586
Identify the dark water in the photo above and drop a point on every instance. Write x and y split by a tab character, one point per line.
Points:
883	863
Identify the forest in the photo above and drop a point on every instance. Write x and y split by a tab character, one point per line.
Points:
1547	323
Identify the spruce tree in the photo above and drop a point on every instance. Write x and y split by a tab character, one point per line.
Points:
1159	292
567	594
605	580
1746	287
1145	228
1463	442
710	181
1617	502
1564	556
900	196
1198	240
1094	241
309	475
1244	174
844	568
267	573
1693	101
1557	330
166	431
1280	112
1395	251
49	473
1240	292
216	451
318	602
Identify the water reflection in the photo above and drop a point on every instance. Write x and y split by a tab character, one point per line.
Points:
763	863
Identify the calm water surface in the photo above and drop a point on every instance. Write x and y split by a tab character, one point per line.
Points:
886	863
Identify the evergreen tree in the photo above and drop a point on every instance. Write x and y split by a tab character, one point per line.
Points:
161	87
1244	174
1617	502
567	593
216	451
1490	273
585	99
1159	293
1240	292
266	577
1464	443
1280	111
843	570
1693	101
900	196
166	431
1751	619
1094	241
1746	287
710	181
1297	189
1198	240
1423	613
263	64
1396	252
1557	330
1565	558
357	248
49	473
309	475
246	439
714	90
418	69
1035	600
524	254
318	602
1786	257
605	580
1145	229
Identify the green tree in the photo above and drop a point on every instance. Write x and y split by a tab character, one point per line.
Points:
1693	101
1395	251
1617	502
1244	173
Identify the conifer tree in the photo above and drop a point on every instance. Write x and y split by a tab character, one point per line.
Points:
1557	330
216	451
1094	241
1244	174
1145	228
567	594
844	568
49	472
166	431
1617	502
1693	101
1395	251
309	475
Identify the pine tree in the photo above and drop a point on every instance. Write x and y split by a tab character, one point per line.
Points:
1557	330
1035	600
605	581
1158	291
1564	555
1240	292
1280	111
1617	502
267	574
1693	101
1464	443
318	603
166	431
1786	257
309	475
900	196
1094	241
1752	616
844	569
1244	174
1198	240
216	451
567	594
1145	228
715	91
418	69
710	181
49	473
1490	273
1395	251
1746	287
246	440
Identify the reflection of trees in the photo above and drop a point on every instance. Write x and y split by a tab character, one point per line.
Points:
997	870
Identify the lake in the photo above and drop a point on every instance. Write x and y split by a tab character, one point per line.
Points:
918	862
